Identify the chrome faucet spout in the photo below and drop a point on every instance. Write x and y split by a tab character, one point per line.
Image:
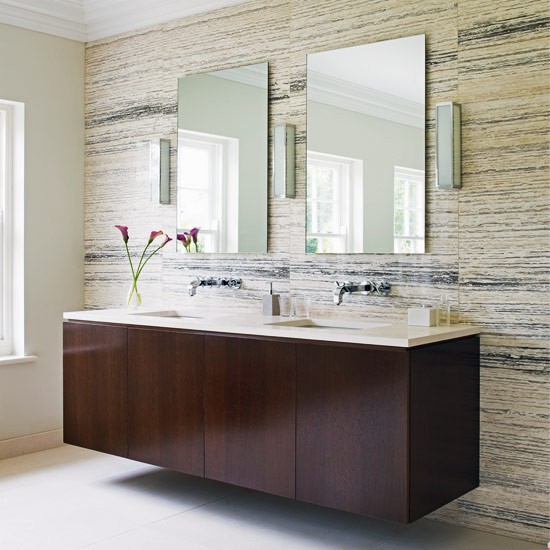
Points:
365	287
192	288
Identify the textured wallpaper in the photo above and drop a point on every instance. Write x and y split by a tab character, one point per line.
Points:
487	243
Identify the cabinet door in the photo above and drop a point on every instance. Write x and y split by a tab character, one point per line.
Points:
250	413
165	399
94	387
351	440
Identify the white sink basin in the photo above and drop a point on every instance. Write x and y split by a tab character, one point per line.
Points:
172	313
328	324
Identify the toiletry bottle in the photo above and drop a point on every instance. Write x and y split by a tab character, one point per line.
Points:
443	312
270	302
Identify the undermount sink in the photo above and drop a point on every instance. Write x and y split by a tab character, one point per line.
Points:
328	324
172	313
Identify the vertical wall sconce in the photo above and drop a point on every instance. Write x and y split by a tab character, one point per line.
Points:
160	170
447	145
284	161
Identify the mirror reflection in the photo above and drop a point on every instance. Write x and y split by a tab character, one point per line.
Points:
365	148
222	159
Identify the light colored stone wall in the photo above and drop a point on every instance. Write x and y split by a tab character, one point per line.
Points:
487	243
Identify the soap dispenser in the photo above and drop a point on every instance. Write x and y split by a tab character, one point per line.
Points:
271	303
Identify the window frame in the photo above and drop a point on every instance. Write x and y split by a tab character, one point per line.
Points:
419	240
350	197
11	229
223	188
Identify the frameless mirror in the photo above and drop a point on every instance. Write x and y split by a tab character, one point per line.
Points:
366	148
222	159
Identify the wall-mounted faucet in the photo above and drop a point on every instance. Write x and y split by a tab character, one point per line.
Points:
366	287
199	281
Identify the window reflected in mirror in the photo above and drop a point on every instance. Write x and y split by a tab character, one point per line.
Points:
222	159
366	148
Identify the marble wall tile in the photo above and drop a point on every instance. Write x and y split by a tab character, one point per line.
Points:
487	243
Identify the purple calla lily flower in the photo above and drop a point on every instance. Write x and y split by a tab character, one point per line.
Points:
194	233
183	239
124	230
167	239
154	235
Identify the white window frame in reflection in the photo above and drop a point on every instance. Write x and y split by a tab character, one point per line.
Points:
219	232
410	242
348	201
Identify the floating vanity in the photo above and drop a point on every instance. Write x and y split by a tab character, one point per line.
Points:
375	418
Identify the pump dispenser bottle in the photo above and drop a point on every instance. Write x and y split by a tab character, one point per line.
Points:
271	303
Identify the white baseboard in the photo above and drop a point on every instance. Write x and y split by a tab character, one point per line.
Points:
30	443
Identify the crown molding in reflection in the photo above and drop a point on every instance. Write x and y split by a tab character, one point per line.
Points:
353	97
251	75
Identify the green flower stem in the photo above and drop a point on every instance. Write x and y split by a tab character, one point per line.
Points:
140	269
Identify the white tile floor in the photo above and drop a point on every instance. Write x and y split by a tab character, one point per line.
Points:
71	498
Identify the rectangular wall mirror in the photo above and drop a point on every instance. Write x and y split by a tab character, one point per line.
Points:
366	148
222	158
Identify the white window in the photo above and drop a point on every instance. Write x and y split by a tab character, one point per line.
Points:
408	210
11	227
334	192
208	194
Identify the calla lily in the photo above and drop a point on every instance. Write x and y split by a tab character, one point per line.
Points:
194	233
182	238
185	239
145	257
167	239
124	230
154	235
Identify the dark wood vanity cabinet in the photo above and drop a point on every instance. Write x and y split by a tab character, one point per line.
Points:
379	431
250	394
165	399
351	429
390	433
94	387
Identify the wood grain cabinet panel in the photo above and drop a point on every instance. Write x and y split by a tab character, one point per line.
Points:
444	424
250	413
94	387
165	399
352	440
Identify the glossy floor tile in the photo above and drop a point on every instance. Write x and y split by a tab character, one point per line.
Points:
71	498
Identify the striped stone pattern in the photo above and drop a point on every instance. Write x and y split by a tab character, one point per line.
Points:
487	243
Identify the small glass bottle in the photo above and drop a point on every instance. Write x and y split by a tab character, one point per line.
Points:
443	312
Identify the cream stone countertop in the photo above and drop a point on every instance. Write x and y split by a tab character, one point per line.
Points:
377	332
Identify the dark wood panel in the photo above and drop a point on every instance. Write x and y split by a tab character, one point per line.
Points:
444	424
165	399
351	441
94	387
250	413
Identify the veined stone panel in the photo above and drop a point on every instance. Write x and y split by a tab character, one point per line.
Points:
487	243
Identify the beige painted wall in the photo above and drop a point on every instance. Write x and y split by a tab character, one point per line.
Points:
46	73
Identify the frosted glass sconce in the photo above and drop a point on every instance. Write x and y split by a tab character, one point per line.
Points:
284	161
160	170
447	145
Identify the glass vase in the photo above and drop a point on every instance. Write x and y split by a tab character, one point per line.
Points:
133	299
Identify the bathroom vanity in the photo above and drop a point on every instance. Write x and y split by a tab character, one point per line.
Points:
377	419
